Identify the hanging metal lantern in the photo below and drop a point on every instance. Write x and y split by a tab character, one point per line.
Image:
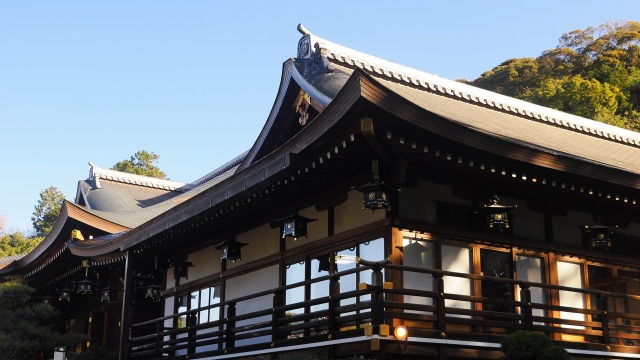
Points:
497	216
598	236
153	292
108	294
64	294
231	250
295	226
85	286
376	194
181	269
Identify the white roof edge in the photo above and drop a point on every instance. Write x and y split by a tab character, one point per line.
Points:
371	63
101	173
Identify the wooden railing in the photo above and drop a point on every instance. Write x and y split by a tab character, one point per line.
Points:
342	315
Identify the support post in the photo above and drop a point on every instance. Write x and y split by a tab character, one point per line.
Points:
125	322
527	311
601	304
231	324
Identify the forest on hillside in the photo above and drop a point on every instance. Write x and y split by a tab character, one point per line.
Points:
594	73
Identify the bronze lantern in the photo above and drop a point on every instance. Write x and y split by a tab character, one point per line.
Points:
376	194
497	216
295	226
108	294
85	286
597	236
231	250
181	269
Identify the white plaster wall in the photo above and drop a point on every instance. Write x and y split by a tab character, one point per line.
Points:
316	229
205	262
419	202
350	214
254	282
632	230
567	229
262	241
527	223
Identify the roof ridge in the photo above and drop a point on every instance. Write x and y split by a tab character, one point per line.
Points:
96	173
373	64
217	172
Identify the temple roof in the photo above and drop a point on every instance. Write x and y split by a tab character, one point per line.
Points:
377	67
135	208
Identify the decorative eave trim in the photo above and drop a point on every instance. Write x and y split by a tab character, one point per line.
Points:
287	69
217	172
380	67
96	173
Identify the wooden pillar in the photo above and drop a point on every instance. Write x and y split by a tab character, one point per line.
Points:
525	297
231	324
126	303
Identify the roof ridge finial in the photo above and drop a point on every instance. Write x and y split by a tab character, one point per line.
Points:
303	30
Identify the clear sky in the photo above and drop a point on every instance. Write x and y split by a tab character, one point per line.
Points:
193	81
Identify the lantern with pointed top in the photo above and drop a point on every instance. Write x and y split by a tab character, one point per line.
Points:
64	294
153	292
295	226
85	286
598	236
376	194
181	269
231	250
497	216
108	294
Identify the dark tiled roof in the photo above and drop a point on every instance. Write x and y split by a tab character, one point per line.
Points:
380	68
6	260
560	141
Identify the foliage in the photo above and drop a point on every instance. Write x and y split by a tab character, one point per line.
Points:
529	345
141	163
47	210
17	243
96	353
594	73
25	324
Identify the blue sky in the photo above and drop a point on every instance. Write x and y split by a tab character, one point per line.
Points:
193	81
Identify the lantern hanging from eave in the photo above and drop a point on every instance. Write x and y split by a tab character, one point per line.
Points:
64	294
598	236
153	292
231	250
376	194
497	216
181	269
108	294
295	226
85	286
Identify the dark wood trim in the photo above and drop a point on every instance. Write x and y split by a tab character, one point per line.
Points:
379	95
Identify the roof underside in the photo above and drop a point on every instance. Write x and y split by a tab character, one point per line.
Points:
523	131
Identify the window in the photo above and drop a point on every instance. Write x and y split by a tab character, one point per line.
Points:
198	299
304	271
496	264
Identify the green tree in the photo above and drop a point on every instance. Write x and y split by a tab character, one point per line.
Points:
25	325
593	73
47	210
141	163
17	243
529	345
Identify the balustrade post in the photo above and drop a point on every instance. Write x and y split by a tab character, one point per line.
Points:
438	288
377	298
275	316
158	338
441	322
527	311
601	304
231	324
